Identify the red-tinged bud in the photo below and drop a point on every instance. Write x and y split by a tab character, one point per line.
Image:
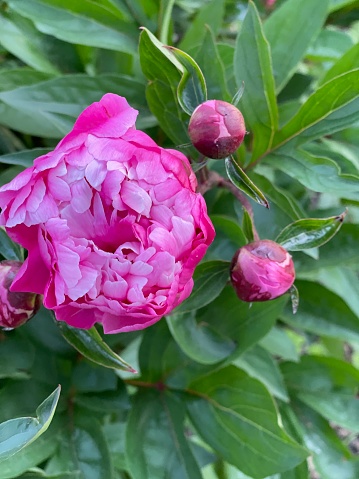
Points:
216	129
15	308
261	271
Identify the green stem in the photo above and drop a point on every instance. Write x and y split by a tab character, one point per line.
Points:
166	19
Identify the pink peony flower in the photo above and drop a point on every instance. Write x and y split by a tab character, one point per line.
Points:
111	221
261	271
216	129
15	308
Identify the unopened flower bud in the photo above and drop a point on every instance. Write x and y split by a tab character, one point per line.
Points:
15	308
261	271
216	129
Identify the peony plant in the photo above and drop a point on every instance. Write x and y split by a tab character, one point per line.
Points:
167	170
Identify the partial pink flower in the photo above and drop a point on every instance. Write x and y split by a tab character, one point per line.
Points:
15	308
261	271
111	221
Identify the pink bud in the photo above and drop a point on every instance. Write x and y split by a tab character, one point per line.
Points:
261	271
216	129
15	308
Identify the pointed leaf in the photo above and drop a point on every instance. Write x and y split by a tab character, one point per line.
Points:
89	343
252	65
213	71
192	90
299	22
90	25
237	417
316	173
164	71
310	232
20	37
239	178
333	107
156	445
279	196
15	434
349	61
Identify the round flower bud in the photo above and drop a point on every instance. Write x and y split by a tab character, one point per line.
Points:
15	308
261	271
216	129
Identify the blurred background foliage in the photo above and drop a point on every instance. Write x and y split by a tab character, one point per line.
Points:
223	391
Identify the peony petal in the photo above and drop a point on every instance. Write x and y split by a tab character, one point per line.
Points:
136	198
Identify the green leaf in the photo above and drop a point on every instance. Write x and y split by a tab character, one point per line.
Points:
17	77
15	434
115	434
316	173
252	65
213	71
323	312
237	417
109	401
156	445
210	278
90	344
19	36
259	364
83	448
299	22
331	459
310	232
279	196
24	157
238	321
230	228
199	341
347	62
32	455
16	358
49	109
342	250
338	4
80	24
160	66
192	89
341	281
278	343
330	388
162	362
323	113
157	61
239	178
331	44
9	249
211	14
